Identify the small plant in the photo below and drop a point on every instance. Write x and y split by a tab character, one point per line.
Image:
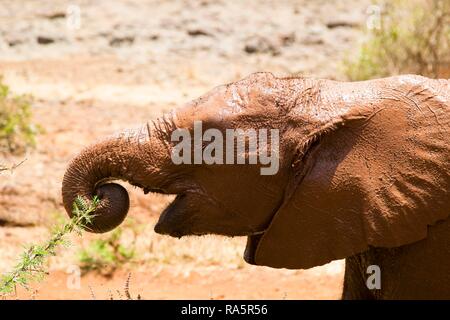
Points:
106	255
126	295
412	36
17	132
31	265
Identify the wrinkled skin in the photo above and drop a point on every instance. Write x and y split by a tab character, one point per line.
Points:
364	174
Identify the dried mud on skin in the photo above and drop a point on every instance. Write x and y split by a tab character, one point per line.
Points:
122	68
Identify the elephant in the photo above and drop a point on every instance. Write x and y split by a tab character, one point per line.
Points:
363	175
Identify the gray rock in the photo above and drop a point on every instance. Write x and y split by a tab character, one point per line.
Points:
45	40
341	24
120	41
198	32
259	44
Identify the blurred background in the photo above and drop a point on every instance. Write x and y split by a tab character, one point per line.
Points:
76	71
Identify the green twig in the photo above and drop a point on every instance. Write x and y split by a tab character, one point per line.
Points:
31	265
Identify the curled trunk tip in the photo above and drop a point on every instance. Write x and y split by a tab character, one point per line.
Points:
84	177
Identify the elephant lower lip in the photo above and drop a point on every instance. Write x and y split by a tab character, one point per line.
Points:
173	233
250	248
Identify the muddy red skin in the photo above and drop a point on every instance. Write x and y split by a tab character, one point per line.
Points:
364	175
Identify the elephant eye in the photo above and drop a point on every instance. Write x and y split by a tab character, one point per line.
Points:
154	190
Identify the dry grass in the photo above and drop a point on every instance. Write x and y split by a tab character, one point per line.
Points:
155	249
17	132
412	36
151	250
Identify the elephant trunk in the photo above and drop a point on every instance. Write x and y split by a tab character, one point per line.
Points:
135	156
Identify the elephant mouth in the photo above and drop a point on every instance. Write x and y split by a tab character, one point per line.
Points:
173	222
173	219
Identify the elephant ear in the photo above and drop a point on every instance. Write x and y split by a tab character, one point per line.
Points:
374	182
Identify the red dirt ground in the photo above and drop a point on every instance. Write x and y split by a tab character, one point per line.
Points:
95	81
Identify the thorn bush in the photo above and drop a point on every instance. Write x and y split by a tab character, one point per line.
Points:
31	264
17	132
412	36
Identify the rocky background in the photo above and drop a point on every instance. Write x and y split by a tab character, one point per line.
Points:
96	67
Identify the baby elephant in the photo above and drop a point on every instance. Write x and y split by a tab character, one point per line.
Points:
309	170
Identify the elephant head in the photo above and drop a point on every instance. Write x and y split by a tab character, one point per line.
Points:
237	203
358	164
